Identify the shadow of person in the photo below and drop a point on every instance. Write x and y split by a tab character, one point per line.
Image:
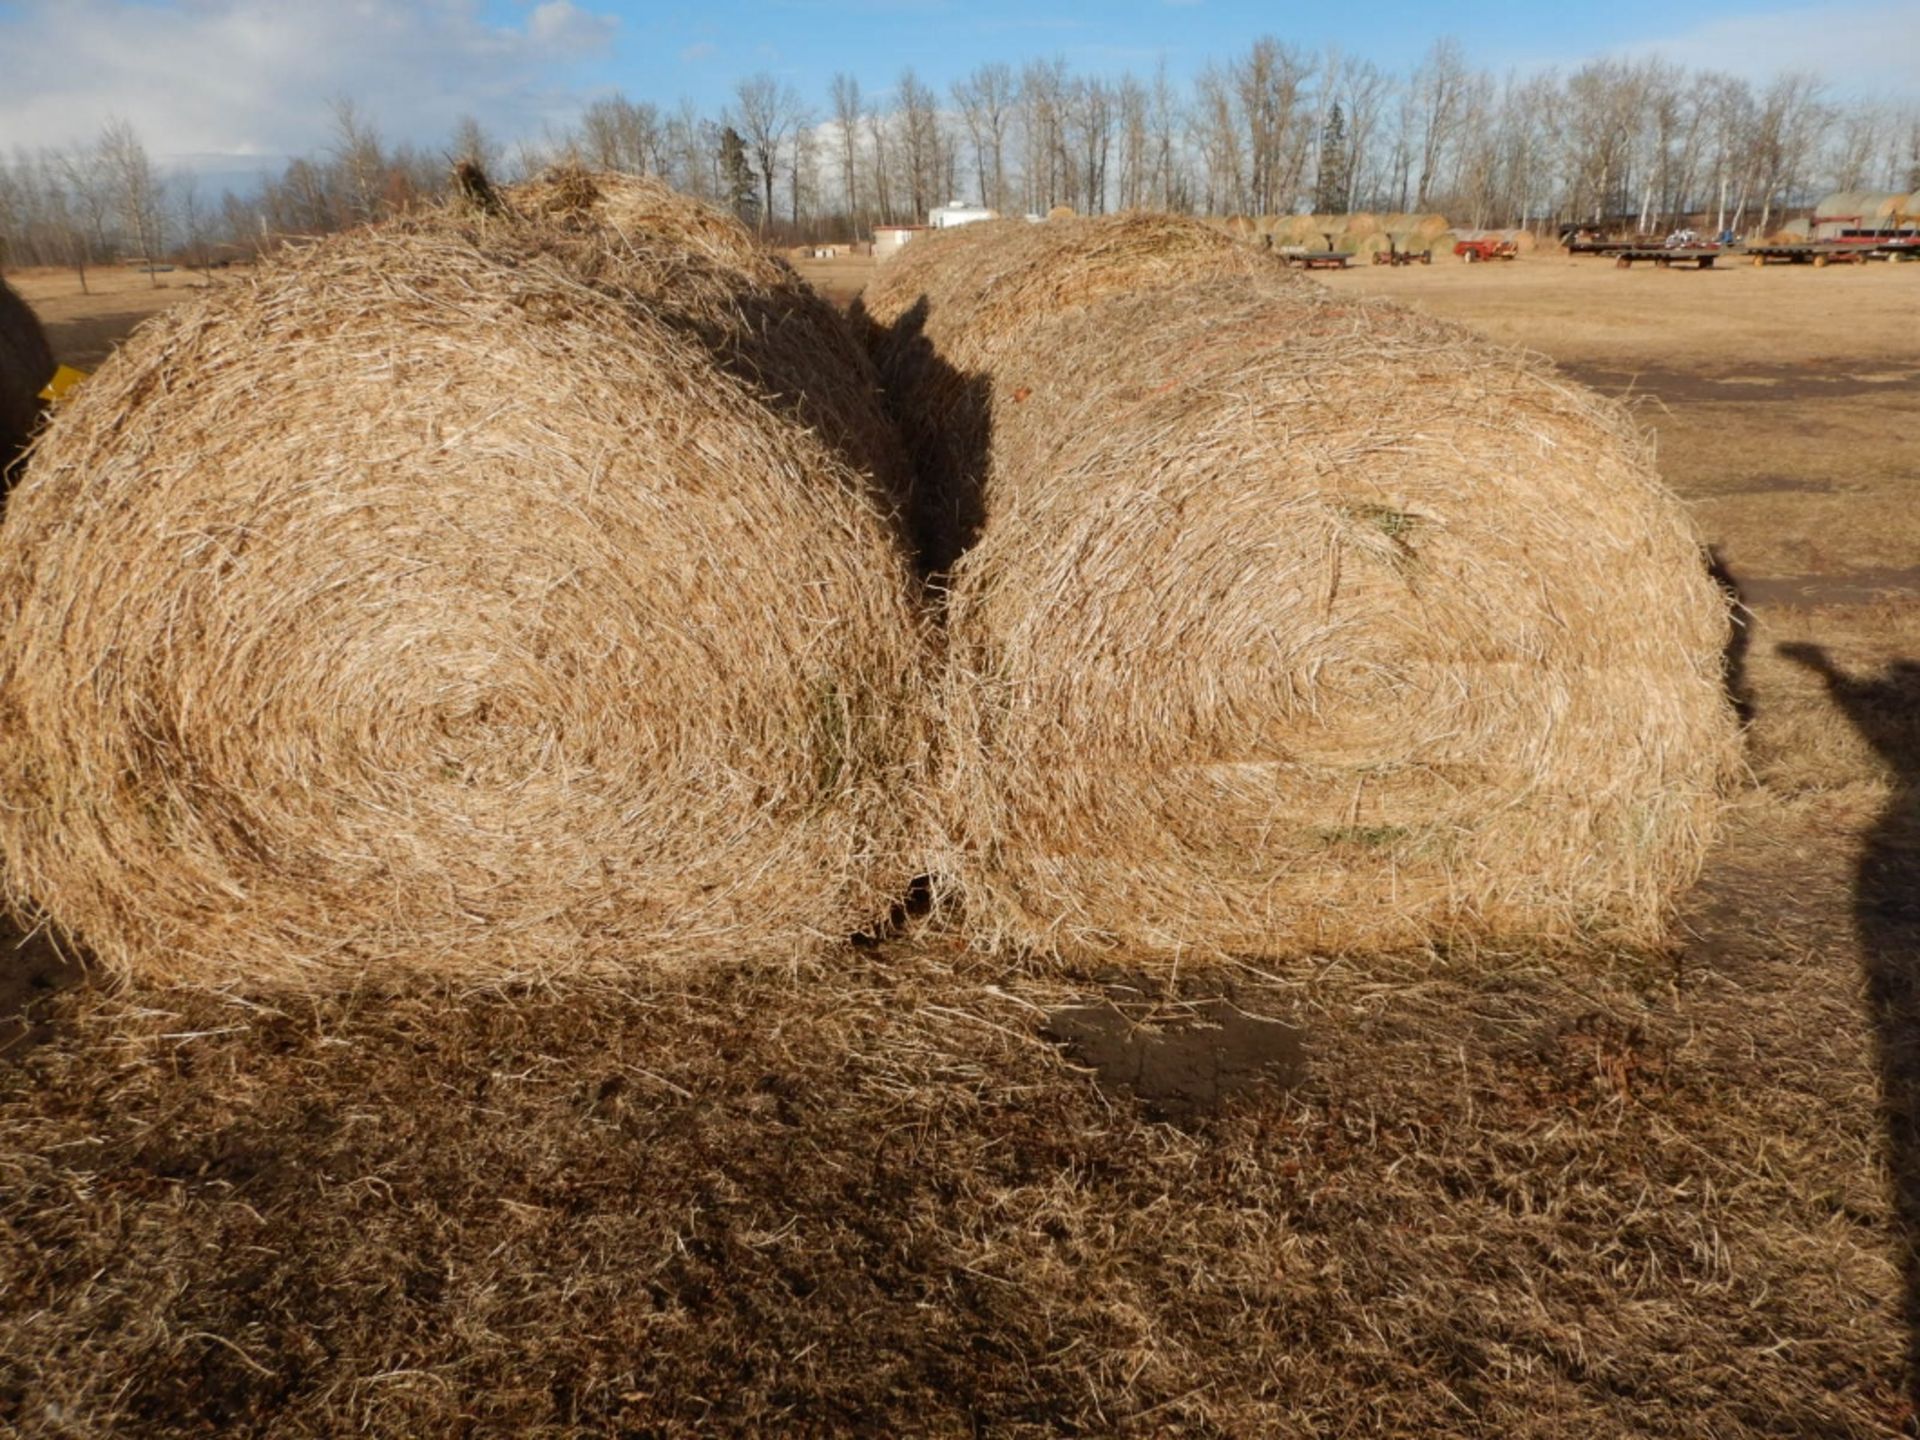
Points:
1885	709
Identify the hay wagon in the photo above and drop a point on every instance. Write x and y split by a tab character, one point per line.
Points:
1485	247
1701	257
1817	253
1394	255
1316	259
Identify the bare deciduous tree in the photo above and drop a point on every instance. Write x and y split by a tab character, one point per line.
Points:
765	112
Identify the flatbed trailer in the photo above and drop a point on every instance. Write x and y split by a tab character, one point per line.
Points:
1808	252
1701	257
1317	259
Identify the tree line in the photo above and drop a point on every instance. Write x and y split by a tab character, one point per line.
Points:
1275	129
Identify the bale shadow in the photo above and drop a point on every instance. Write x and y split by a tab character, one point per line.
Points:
1739	687
33	970
793	348
1885	709
945	419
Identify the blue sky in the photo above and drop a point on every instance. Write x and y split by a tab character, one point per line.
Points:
223	84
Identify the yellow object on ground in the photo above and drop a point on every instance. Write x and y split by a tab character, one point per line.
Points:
64	379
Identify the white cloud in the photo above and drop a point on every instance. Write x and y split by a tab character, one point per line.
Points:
235	78
1860	46
562	25
695	53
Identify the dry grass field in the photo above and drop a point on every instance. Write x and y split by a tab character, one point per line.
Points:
906	1191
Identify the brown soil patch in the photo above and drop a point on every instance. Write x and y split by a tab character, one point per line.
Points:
84	327
1776	384
1182	1064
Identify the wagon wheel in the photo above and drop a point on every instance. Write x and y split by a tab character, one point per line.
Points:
1819	262
1621	262
1759	260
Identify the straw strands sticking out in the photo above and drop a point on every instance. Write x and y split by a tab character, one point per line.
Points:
1298	623
418	607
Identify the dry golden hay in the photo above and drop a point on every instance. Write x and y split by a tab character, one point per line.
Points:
1428	226
26	364
1303	623
1296	230
1360	223
1241	226
1867	206
419	608
1321	226
939	311
703	271
1366	245
1061	212
641	204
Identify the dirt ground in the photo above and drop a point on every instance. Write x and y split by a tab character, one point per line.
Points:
907	1191
85	325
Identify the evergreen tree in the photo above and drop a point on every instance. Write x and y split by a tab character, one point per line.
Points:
1330	193
737	173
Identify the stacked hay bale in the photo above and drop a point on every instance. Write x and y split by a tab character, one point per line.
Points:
1357	227
1365	247
704	272
26	364
1010	270
427	605
1257	654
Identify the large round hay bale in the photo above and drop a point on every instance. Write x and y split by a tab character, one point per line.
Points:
1241	227
26	364
1525	242
944	305
1296	230
419	608
1429	227
1061	212
705	273
640	204
1257	655
1360	223
1861	205
1365	246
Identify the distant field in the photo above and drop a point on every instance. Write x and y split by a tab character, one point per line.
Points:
1662	1196
84	326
